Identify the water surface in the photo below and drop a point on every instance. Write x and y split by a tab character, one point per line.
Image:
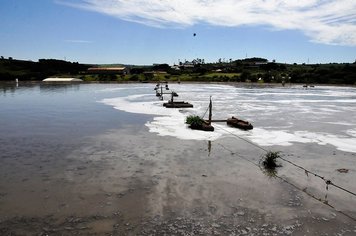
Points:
281	115
110	159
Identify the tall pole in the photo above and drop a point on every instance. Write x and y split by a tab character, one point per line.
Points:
210	111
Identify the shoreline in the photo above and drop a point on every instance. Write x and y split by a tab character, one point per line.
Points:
256	84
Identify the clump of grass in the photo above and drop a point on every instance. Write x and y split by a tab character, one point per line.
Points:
194	121
270	160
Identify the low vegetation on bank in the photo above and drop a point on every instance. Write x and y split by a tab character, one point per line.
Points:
245	70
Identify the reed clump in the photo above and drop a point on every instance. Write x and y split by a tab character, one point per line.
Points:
270	160
194	121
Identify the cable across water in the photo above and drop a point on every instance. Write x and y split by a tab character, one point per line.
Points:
327	181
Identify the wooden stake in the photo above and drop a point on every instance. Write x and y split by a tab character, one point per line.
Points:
210	111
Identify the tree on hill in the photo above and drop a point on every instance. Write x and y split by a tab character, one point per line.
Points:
254	59
161	67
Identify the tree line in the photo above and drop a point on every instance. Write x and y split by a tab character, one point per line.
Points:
250	69
11	69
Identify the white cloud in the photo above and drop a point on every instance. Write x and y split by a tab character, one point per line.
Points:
324	21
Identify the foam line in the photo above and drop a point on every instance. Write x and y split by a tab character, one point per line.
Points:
277	117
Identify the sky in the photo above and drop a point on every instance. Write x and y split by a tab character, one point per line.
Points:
144	32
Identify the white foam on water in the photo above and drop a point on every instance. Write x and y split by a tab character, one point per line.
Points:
351	132
285	138
168	122
171	122
176	127
265	137
341	123
128	104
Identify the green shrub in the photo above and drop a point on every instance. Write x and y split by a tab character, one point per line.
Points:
194	121
269	160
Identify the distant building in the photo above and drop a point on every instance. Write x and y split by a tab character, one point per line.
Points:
186	64
108	70
55	79
175	67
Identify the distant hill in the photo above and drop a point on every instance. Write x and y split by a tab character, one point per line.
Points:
11	69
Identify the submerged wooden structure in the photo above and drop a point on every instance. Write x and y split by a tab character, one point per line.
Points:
179	104
171	103
176	104
237	123
205	125
197	122
159	90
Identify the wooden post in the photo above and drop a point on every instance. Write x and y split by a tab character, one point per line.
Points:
210	111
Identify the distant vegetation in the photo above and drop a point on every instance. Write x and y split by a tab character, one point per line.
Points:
11	69
244	70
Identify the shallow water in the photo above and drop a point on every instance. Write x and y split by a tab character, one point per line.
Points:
109	159
281	115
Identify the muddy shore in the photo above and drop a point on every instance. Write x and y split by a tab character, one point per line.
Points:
138	183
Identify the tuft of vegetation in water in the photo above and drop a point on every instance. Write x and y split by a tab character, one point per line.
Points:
270	160
194	121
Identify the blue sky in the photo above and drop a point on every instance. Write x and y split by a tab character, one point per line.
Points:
161	31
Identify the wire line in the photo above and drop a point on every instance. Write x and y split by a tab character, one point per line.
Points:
327	181
325	202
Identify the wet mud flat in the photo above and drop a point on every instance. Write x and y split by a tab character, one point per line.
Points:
131	182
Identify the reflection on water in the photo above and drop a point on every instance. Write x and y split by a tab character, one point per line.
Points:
70	109
94	169
59	87
8	88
